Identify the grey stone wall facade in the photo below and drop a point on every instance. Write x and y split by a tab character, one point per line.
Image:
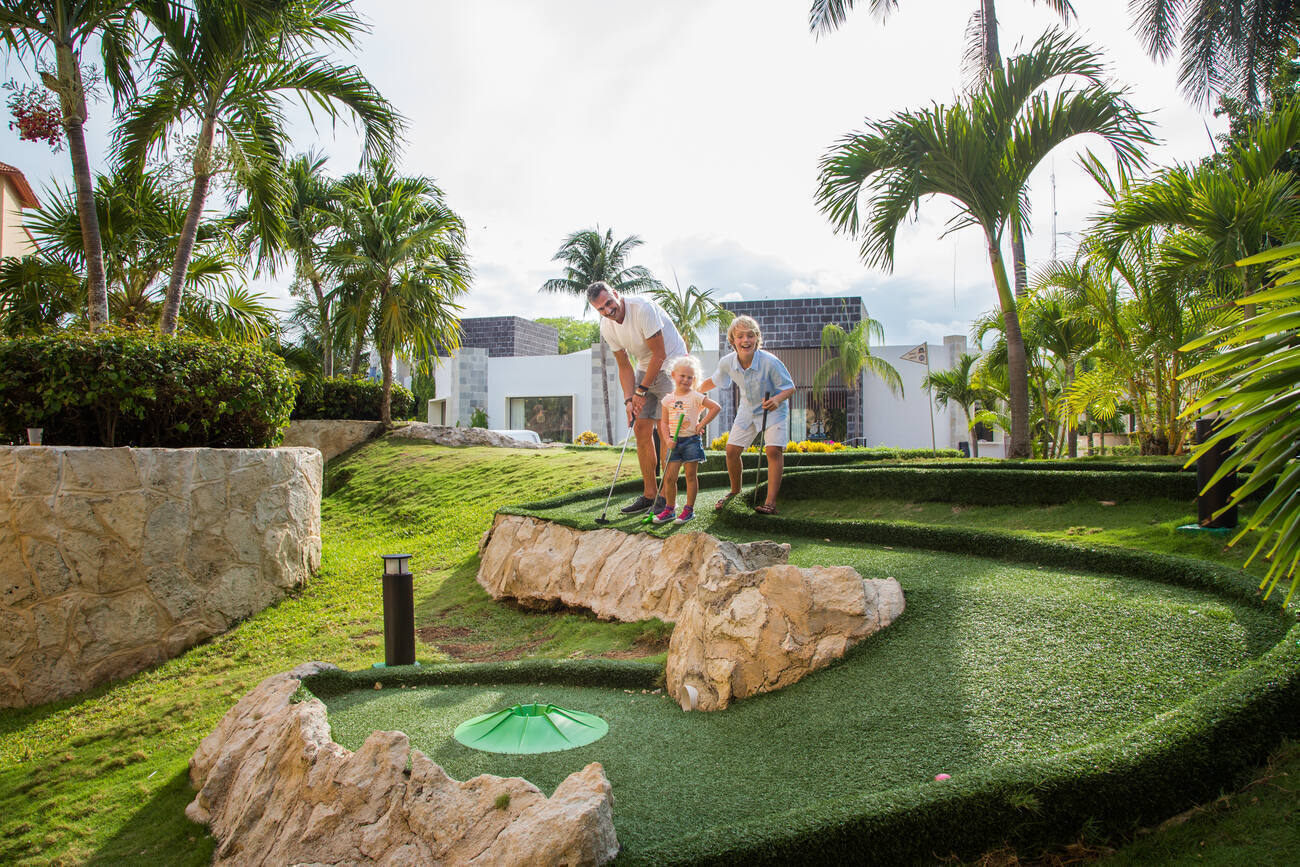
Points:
509	336
470	385
796	323
112	560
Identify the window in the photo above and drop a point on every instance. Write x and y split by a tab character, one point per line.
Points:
551	418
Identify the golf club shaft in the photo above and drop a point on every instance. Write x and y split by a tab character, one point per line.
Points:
762	438
622	452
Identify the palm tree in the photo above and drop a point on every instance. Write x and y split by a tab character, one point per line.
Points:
226	68
956	386
140	217
400	263
691	310
310	213
1230	209
983	56
36	28
1255	364
1230	48
36	293
588	257
849	353
979	152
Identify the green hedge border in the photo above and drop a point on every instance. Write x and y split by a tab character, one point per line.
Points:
616	673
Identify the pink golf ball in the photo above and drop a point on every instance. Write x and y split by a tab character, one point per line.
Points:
942	777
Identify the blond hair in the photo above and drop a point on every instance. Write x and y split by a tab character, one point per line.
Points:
746	321
688	361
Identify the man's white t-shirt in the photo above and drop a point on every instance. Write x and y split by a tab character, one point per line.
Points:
642	319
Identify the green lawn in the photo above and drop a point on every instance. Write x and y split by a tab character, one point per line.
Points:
102	778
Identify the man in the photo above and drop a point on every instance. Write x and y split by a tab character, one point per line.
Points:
639	329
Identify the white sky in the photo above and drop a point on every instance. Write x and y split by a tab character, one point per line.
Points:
697	125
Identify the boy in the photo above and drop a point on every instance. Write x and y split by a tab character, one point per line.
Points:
756	372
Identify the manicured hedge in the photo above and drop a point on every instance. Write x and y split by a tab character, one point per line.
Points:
135	388
344	398
614	673
967	486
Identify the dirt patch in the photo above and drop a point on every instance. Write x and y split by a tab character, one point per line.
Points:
444	638
646	645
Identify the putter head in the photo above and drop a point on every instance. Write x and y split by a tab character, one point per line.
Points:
602	520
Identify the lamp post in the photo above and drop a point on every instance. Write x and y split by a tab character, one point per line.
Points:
399	611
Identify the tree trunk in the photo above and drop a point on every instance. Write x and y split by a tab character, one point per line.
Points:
326	334
974	436
386	399
1073	436
190	229
989	14
72	101
1018	260
604	388
1017	375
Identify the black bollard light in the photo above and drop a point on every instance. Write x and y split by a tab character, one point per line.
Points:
399	611
1209	502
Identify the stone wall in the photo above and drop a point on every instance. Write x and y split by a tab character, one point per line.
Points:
112	560
331	436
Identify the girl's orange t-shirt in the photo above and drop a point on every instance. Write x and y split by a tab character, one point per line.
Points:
690	405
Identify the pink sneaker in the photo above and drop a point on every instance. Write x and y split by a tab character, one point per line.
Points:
665	516
686	515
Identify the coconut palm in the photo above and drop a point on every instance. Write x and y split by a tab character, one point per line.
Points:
957	386
1228	48
35	29
400	263
227	68
980	153
588	257
983	55
849	354
691	310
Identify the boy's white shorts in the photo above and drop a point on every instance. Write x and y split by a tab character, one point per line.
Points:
745	430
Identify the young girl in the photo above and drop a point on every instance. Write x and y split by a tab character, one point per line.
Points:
686	404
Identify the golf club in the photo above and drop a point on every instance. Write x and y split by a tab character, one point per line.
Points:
762	439
659	488
602	519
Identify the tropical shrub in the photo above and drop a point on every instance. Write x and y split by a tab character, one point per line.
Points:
814	447
351	399
588	438
478	418
718	444
136	388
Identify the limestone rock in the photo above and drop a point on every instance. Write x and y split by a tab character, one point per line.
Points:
745	621
628	577
752	632
275	789
331	436
464	436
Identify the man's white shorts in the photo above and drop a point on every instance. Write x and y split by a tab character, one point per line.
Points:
745	430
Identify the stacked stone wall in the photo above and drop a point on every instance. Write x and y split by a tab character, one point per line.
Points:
112	560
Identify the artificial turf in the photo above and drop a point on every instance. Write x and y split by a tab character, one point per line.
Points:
991	663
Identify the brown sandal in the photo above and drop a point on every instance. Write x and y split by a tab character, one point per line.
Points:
765	509
726	498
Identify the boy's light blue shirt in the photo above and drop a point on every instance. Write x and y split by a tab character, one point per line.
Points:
766	374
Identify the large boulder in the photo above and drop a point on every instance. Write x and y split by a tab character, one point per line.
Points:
540	564
464	436
746	622
275	789
744	633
